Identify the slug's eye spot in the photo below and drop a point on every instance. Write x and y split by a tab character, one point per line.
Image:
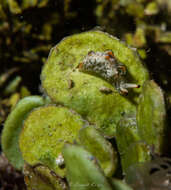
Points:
122	69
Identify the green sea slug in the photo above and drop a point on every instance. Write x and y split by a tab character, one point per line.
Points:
13	126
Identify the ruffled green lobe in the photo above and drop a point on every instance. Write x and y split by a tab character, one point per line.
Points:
84	96
45	131
13	126
151	116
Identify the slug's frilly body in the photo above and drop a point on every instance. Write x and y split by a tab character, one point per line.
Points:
105	65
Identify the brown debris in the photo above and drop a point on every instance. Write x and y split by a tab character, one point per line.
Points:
10	179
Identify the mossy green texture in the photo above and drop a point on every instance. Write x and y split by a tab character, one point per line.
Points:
130	147
13	126
99	147
41	178
151	116
83	172
45	132
84	96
